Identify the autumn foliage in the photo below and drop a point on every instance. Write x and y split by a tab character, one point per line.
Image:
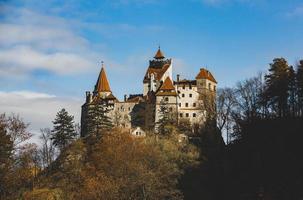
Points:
119	166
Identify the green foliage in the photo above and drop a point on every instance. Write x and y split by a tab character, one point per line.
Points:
63	132
277	82
167	120
98	120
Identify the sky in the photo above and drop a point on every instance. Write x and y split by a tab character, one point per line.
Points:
51	50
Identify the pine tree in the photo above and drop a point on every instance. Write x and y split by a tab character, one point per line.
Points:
299	81
166	120
63	132
98	119
292	91
277	82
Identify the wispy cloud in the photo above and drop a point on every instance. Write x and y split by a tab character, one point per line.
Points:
39	109
31	41
296	12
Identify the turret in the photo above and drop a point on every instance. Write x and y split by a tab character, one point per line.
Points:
88	97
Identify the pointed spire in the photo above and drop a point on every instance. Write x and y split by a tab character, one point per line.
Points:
159	54
167	84
102	84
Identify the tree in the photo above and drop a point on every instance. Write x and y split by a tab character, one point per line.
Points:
166	120
184	126
13	137
277	82
63	132
138	115
299	81
292	92
6	150
98	119
120	167
225	106
47	150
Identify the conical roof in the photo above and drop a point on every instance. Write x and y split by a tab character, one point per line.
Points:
159	54
102	84
167	84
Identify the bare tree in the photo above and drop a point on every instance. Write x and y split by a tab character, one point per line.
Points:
47	150
225	105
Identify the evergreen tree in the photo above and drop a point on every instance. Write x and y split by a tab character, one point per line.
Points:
98	119
63	132
278	86
299	81
292	91
166	120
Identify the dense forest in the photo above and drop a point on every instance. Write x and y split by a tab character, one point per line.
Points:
261	120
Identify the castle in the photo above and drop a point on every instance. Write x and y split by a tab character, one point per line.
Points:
141	112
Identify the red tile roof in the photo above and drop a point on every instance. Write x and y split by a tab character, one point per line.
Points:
167	84
205	74
167	88
159	54
157	71
102	84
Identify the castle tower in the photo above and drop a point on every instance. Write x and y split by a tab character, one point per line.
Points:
168	97
158	70
206	87
101	93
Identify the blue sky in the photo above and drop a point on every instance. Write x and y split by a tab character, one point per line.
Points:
50	50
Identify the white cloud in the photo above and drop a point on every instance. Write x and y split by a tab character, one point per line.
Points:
38	109
31	41
28	59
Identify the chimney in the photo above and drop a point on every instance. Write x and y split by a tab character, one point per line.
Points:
178	78
88	97
125	97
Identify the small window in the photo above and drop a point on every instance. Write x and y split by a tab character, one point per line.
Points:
214	88
137	133
183	95
183	87
181	114
179	104
128	108
166	98
194	114
190	95
190	87
187	115
194	104
209	86
170	109
186	104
